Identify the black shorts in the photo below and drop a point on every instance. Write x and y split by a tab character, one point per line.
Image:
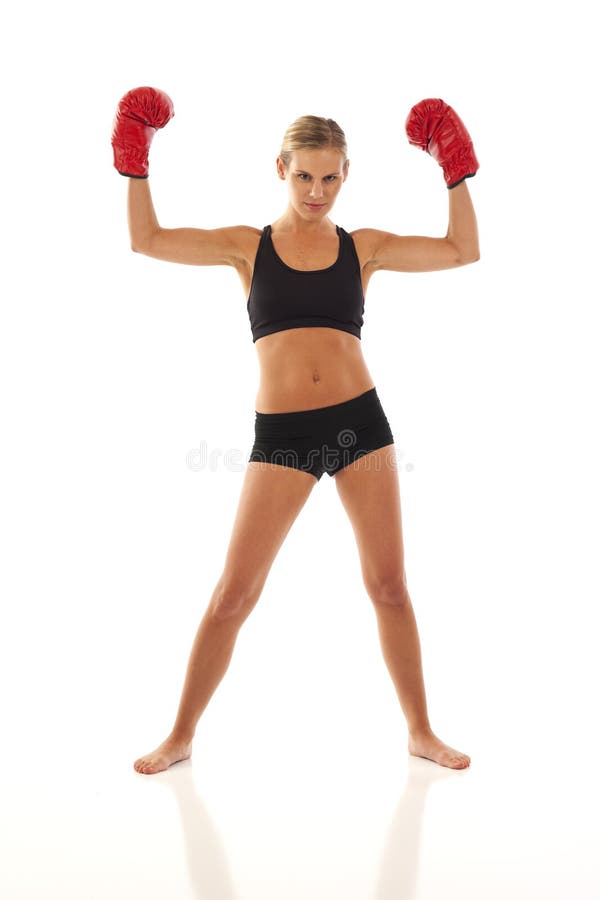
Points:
322	440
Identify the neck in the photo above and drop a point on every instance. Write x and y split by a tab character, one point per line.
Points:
292	221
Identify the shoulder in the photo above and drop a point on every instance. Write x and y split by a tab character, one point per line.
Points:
243	241
366	241
244	238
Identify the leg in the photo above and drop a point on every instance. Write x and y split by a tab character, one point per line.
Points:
271	498
370	493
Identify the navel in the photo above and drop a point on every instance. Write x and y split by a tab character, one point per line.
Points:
316	377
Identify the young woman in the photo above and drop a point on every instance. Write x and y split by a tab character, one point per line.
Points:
317	409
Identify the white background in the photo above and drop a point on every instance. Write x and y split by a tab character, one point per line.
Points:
115	367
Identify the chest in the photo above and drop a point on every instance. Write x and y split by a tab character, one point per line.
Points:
306	255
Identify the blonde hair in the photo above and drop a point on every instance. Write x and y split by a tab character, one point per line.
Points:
312	131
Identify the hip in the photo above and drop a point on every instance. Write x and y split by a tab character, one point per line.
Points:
322	439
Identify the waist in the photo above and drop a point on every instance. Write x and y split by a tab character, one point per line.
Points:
309	368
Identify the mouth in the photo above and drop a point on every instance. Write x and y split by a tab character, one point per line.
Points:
315	205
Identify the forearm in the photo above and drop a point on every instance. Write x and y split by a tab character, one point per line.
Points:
140	212
462	224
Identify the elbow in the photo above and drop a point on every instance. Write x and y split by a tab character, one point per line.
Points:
142	243
465	254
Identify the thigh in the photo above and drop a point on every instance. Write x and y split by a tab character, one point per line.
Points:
370	493
270	500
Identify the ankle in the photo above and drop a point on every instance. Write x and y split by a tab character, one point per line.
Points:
181	736
421	730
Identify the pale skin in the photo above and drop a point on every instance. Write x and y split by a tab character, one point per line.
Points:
273	495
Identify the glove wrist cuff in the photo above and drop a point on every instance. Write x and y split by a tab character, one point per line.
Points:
131	161
462	165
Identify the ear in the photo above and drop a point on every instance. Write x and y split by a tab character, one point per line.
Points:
345	169
280	168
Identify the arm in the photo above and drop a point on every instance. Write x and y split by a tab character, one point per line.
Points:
192	246
140	213
140	113
398	253
462	224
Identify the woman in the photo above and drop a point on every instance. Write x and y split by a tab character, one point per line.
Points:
317	408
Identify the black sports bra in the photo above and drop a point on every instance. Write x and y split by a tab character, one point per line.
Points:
281	297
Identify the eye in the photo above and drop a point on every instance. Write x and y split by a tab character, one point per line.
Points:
302	175
332	177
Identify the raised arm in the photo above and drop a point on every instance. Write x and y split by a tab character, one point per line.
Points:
192	246
435	127
400	253
140	113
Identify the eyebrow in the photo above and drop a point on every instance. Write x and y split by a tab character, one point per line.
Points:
304	172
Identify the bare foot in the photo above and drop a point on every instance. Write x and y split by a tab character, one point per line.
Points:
170	751
430	747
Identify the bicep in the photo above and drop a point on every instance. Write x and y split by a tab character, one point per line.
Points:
194	246
400	253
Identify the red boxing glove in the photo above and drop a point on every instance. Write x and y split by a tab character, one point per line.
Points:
433	126
139	114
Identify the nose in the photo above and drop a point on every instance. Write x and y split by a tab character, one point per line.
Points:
316	190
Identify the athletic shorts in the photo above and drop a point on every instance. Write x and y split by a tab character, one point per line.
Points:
325	439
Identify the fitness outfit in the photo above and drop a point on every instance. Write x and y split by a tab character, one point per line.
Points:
330	437
282	297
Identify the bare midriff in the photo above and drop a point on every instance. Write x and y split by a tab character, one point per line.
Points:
307	368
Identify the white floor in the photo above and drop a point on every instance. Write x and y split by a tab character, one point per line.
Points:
311	822
298	787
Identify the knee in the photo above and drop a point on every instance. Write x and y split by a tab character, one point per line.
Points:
389	591
233	602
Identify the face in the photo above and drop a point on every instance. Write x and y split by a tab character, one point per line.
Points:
314	178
